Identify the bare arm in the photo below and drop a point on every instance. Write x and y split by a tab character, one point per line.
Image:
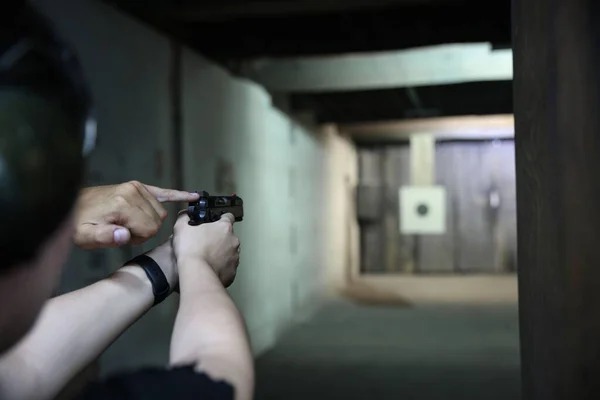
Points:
209	331
74	329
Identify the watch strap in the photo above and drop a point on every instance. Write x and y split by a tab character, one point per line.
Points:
160	285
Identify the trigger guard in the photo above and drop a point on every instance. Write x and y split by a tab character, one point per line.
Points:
190	211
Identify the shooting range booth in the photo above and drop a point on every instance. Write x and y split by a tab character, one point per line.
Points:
556	47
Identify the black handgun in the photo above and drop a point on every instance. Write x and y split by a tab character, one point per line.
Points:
210	208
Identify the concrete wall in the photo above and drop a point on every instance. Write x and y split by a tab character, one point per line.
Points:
278	167
127	66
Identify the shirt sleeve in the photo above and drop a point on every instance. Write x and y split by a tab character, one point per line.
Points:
180	383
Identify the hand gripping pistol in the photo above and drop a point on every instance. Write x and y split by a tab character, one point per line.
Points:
210	208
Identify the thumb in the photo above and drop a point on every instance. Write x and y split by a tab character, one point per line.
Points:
228	217
101	236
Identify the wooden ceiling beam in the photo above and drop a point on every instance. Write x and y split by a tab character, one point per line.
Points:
459	128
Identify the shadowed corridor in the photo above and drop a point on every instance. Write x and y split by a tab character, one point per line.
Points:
350	351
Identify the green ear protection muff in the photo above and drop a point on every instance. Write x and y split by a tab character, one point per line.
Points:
47	127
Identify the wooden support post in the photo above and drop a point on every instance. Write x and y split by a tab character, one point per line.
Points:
557	113
422	159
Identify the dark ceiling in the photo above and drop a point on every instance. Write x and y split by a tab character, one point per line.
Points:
232	31
475	98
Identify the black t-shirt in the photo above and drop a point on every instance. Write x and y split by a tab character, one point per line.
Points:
155	383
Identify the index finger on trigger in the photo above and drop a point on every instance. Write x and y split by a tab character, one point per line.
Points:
164	195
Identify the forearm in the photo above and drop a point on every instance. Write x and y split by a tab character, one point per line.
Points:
72	331
209	331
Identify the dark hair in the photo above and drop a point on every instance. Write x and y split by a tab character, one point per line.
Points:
44	107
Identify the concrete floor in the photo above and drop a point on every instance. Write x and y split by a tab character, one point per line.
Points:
349	351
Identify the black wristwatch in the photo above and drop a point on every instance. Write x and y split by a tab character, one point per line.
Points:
160	285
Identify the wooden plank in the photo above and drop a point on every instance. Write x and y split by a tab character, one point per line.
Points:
369	173
422	159
393	240
390	234
460	128
436	253
474	238
370	254
557	103
499	163
373	232
368	204
369	189
399	171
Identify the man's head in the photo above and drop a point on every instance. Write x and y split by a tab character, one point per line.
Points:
45	128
